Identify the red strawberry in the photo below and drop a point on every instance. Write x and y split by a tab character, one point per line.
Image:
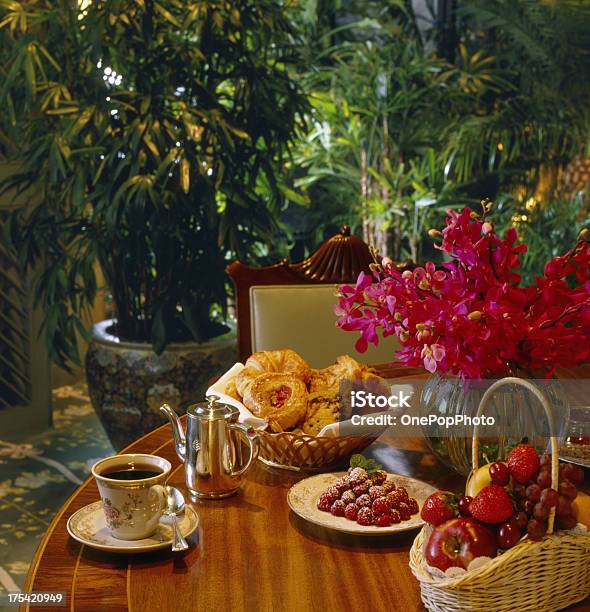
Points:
337	508
492	505
523	463
440	507
395	516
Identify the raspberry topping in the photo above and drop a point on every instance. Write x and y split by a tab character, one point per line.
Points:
338	508
361	488
351	511
404	511
364	500
365	516
383	520
325	502
348	497
333	493
376	491
380	506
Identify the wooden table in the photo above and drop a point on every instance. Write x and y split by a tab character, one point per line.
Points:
250	552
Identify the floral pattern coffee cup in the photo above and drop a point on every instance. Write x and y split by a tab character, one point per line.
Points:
132	493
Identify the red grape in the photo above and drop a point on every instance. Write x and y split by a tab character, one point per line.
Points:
528	506
464	505
576	475
544	478
541	512
499	473
533	493
519	490
521	520
546	459
567	489
571	472
567	522
536	529
564	506
508	535
549	498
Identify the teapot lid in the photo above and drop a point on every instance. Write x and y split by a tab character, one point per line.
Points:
213	408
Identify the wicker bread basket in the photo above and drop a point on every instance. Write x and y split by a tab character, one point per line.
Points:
298	451
294	451
533	576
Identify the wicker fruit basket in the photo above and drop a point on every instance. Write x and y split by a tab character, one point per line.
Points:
547	575
294	451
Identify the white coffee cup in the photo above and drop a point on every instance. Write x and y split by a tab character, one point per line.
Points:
132	503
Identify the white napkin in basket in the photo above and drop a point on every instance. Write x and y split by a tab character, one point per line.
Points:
218	388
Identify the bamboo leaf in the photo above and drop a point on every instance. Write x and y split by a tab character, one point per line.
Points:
184	175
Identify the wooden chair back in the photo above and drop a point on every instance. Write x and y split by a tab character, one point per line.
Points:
340	259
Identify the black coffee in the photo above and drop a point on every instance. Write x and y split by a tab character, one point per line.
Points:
131	474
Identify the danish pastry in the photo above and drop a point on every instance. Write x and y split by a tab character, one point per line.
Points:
280	387
280	398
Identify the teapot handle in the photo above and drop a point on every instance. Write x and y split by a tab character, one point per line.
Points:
251	437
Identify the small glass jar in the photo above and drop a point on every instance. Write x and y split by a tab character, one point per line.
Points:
576	446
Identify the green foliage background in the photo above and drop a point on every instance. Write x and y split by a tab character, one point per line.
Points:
151	135
162	138
409	120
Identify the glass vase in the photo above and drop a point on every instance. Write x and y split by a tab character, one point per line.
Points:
518	417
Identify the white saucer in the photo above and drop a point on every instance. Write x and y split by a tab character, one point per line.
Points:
303	498
88	525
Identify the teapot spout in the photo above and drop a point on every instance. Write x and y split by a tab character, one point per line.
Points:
177	431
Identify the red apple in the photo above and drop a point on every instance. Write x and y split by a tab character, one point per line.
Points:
458	541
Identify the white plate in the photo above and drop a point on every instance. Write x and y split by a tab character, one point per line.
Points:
88	525
303	497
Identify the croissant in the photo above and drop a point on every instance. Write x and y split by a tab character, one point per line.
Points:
280	398
345	368
281	361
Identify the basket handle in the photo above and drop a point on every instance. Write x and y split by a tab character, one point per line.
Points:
512	380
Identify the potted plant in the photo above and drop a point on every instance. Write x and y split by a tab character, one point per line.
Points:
146	130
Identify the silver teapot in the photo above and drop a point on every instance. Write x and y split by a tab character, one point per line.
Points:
212	451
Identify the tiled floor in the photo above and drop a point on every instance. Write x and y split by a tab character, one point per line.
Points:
39	473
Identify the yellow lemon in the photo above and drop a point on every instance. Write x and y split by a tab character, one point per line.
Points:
477	480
